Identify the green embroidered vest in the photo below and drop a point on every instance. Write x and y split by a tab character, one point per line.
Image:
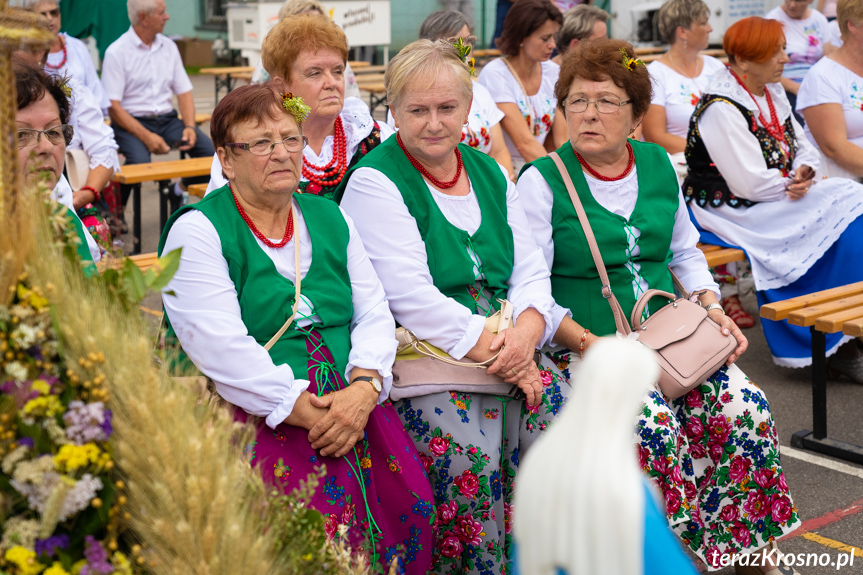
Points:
450	264
575	282
266	297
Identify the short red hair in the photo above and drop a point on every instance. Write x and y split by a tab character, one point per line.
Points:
754	39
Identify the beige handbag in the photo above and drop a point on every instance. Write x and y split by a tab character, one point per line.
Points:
422	369
689	344
77	168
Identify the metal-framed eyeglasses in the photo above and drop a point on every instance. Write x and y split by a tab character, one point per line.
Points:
28	138
602	105
265	146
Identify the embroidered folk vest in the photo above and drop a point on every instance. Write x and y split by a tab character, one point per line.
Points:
575	282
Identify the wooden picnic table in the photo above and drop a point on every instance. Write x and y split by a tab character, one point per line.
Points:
834	310
377	95
354	64
370	70
364	79
717	255
715	52
224	77
133	175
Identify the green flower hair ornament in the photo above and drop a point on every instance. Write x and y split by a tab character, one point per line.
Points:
295	106
464	53
630	63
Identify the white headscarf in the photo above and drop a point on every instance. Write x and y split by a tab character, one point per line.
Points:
579	498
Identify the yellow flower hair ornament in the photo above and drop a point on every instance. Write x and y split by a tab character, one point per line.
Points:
464	53
66	90
630	63
295	106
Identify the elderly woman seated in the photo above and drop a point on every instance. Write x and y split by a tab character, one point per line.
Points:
754	182
482	130
831	99
447	235
309	52
43	132
584	22
713	452
276	301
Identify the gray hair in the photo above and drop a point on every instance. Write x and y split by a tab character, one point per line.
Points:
442	24
578	23
294	7
135	7
31	4
424	59
676	13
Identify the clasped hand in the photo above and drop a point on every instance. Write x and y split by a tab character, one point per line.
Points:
800	183
516	364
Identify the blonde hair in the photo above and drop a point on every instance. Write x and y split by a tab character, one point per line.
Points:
848	11
579	498
425	59
676	13
578	24
297	34
294	7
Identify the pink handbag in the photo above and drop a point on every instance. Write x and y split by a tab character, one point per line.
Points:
690	346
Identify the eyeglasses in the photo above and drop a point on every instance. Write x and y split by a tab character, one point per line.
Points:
602	105
28	138
265	146
471	40
52	13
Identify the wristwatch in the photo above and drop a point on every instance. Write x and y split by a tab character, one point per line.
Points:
376	383
715	306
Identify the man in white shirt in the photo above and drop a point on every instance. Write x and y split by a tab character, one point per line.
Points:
141	72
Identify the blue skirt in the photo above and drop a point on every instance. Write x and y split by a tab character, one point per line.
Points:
842	264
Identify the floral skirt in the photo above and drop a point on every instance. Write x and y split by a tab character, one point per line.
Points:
714	455
471	444
379	491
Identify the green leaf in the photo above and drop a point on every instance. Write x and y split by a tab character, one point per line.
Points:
167	266
133	280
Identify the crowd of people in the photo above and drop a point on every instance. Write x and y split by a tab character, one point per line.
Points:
409	303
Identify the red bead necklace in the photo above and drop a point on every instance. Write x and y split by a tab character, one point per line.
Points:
289	227
338	165
775	128
599	176
424	172
63	62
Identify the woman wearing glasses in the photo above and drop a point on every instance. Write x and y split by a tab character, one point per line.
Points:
276	301
482	131
43	134
308	52
713	452
68	56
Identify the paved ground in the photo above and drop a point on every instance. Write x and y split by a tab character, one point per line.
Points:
829	496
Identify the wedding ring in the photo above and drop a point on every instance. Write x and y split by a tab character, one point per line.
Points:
514	372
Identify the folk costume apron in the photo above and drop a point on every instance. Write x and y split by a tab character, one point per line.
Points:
380	490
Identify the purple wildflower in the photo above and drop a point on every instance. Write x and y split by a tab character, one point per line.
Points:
28	441
107	429
50	545
85	422
97	558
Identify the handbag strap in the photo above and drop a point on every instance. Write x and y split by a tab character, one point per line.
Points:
297	282
619	317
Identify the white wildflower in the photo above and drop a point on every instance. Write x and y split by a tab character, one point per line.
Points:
19	531
21	311
79	497
35	479
11	460
25	336
16	370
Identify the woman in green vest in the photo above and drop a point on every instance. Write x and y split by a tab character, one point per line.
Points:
444	230
713	452
277	303
43	133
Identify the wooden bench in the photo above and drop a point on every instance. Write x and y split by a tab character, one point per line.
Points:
369	70
134	175
197	190
717	256
715	52
225	77
830	311
377	95
364	79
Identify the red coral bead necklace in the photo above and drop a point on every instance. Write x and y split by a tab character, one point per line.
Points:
63	61
775	128
421	169
289	227
338	165
599	176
